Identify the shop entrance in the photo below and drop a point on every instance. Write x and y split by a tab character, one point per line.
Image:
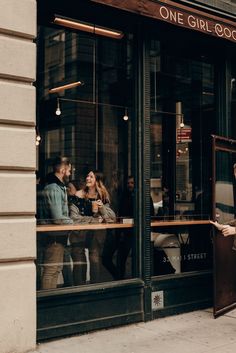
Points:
224	197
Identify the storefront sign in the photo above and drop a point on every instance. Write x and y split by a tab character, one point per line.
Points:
196	22
179	15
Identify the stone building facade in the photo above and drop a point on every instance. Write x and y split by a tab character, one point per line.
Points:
17	175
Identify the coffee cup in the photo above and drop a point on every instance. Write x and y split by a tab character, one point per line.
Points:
94	207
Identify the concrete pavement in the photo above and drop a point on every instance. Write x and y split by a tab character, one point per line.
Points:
195	332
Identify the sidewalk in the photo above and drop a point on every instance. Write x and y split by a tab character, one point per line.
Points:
195	332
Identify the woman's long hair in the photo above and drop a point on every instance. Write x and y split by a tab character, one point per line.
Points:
100	187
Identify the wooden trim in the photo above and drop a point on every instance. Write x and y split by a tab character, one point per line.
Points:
179	223
91	226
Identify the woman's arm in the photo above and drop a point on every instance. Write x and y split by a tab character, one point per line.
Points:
78	218
226	229
106	212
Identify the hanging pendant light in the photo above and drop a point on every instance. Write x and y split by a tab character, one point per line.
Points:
58	110
126	117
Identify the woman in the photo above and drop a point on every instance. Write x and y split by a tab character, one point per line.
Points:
89	205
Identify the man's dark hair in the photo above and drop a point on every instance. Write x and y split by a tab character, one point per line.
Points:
59	162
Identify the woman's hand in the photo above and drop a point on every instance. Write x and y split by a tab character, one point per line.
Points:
99	203
225	229
228	230
218	225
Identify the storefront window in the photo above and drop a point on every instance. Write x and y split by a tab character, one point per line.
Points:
85	95
182	118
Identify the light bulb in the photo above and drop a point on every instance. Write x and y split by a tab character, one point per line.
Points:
58	111
37	143
181	125
126	117
38	138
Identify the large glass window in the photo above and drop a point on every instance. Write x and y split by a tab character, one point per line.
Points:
85	95
182	117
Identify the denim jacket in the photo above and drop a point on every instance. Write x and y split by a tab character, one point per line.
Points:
53	204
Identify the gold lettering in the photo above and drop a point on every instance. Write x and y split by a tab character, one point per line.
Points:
207	28
227	32
191	21
202	25
180	18
234	35
219	30
173	16
164	12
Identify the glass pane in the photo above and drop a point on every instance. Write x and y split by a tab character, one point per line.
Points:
182	115
91	124
182	118
225	186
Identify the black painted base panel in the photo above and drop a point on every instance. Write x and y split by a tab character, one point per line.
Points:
79	310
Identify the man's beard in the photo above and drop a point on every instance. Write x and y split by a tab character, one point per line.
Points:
66	179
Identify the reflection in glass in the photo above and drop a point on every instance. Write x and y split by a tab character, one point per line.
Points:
225	187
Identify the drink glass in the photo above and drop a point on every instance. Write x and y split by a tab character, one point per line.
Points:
94	207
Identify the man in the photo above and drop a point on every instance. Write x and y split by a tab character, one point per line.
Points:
53	208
